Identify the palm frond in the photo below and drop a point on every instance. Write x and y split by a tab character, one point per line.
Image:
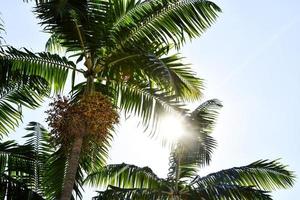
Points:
53	45
37	1
206	114
17	171
39	139
195	148
115	193
167	72
262	174
51	67
78	26
12	189
164	22
2	30
228	192
147	102
55	173
19	158
200	123
14	94
123	176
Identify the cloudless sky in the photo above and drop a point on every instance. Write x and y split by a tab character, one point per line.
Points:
249	59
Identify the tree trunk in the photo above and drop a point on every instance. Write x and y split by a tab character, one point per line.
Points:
72	169
75	153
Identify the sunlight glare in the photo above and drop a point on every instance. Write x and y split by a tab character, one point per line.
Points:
171	129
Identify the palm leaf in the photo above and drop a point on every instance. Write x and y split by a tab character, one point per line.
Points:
164	22
200	124
195	148
14	94
51	67
228	192
167	72
115	193
2	30
16	169
146	102
11	189
262	174
78	26
55	173
123	176
39	139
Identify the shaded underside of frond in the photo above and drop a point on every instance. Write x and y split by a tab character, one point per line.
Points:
115	193
228	192
73	23
12	189
17	171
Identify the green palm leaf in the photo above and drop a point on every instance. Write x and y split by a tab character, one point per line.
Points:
115	193
262	174
164	22
39	139
124	176
51	67
148	103
228	192
12	189
113	23
18	93
55	173
2	30
167	72
67	19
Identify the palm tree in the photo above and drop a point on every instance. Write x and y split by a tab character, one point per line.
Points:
124	47
35	170
23	167
253	181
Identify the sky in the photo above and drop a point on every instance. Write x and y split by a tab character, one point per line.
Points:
249	60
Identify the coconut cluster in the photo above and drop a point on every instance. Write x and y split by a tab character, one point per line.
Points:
92	117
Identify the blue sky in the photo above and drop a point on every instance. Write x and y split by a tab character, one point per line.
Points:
249	60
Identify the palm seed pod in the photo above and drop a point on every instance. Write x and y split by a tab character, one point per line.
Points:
92	117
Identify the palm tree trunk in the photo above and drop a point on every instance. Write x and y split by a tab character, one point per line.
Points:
72	169
75	154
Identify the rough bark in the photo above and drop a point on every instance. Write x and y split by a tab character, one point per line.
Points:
71	169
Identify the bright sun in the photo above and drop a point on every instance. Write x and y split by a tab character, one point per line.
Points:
171	129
